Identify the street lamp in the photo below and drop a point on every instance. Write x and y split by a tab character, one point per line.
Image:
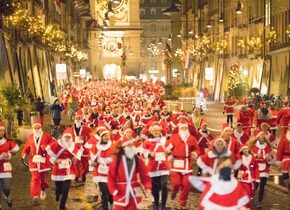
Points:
221	19
208	25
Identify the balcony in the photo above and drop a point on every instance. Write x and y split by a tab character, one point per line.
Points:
277	46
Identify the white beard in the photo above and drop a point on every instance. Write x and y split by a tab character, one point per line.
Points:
37	133
184	135
130	152
288	135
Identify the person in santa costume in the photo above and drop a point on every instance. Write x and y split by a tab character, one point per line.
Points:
264	115
221	191
197	119
283	158
80	134
176	112
248	173
107	116
231	142
145	118
100	159
94	117
125	172
262	150
7	149
283	117
204	140
229	110
208	161
184	149
273	122
158	102
117	121
62	155
240	134
265	128
38	162
246	117
158	168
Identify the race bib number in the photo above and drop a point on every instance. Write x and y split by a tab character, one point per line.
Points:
103	169
178	163
7	167
38	159
64	164
240	174
160	156
79	140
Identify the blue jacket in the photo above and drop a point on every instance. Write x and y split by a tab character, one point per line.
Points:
56	111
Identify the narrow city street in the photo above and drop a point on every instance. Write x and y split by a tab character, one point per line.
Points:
86	197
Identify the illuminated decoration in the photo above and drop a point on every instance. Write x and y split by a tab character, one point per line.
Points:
288	31
52	36
272	36
83	73
220	46
241	44
36	26
112	71
209	73
237	84
179	53
76	55
201	47
255	42
19	18
112	47
153	48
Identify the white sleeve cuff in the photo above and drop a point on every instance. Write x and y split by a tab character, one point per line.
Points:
115	193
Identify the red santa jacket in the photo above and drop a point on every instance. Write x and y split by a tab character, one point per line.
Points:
220	195
274	122
62	158
283	117
246	118
268	136
263	154
107	119
102	156
117	122
283	151
167	118
158	164
249	170
38	160
144	120
208	161
158	102
124	184
204	139
93	140
229	107
181	150
241	138
6	146
82	137
136	116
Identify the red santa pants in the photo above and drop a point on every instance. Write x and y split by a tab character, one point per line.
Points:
130	206
180	181
37	183
251	190
82	167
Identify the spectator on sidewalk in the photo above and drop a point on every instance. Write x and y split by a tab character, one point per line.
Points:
39	106
56	109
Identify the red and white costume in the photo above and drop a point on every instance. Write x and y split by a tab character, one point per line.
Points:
246	118
242	137
220	195
263	154
124	185
7	146
101	154
182	150
204	140
61	156
157	165
283	118
38	161
283	152
229	107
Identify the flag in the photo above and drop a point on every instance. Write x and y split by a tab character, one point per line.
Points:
57	6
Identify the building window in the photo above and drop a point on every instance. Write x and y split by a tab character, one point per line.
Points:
142	11
164	28
153	11
153	27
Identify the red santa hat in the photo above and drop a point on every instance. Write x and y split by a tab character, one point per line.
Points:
67	133
262	103
203	123
219	140
182	124
35	123
2	125
225	126
239	124
244	146
103	132
155	126
79	113
265	124
285	103
101	126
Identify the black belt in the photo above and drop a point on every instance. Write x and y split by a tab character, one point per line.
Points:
286	153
